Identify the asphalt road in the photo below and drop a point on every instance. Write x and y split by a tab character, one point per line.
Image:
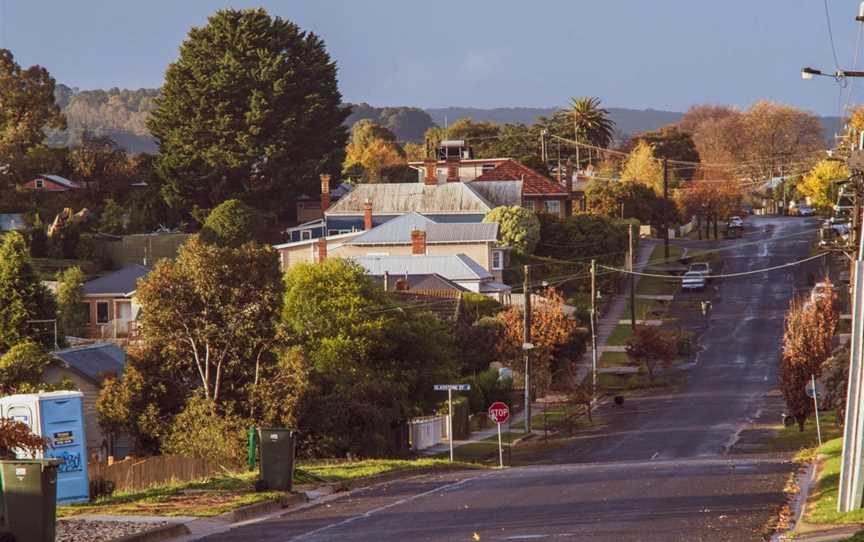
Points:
658	471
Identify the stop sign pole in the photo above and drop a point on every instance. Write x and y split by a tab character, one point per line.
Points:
499	413
450	388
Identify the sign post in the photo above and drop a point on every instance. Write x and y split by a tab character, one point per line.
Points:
814	391
499	413
449	388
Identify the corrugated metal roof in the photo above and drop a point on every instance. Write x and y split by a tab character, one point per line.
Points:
60	180
400	198
121	282
426	283
452	266
94	361
398	231
500	193
12	222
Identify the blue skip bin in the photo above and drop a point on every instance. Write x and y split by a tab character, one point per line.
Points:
58	416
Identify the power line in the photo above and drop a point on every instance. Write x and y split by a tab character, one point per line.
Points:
725	276
831	35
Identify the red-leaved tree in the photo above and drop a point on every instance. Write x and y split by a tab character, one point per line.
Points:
15	435
650	346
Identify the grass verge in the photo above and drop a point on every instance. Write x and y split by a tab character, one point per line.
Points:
822	502
232	490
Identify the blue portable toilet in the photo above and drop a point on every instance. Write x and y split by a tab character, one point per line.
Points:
58	416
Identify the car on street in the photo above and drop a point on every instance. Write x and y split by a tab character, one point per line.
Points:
700	267
806	210
736	222
693	280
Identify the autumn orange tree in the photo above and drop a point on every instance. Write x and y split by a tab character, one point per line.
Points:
551	329
650	346
810	327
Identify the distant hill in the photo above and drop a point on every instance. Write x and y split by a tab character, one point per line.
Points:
121	114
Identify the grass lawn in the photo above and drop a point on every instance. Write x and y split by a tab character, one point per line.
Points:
616	383
822	503
857	537
619	335
614	359
790	439
220	494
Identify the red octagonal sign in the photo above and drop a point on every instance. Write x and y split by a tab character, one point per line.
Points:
499	412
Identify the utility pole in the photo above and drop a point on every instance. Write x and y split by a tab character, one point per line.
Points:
526	335
666	198
783	180
630	267
593	328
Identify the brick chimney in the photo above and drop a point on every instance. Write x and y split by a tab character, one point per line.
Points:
418	242
322	249
453	169
367	215
431	177
325	192
568	177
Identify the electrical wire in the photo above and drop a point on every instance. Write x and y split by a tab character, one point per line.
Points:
724	276
831	35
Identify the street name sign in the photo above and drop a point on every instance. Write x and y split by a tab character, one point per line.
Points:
452	387
814	390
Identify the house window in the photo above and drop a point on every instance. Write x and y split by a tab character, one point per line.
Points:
39	183
553	207
488	167
497	260
101	312
305	235
333	232
85	312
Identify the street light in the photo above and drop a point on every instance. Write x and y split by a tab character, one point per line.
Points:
808	73
839	75
860	17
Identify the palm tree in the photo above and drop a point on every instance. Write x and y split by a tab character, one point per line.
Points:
591	123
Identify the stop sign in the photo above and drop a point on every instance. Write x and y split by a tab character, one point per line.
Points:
499	412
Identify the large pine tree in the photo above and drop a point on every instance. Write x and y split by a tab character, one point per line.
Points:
250	110
23	297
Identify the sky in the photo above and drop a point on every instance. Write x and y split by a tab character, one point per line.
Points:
660	54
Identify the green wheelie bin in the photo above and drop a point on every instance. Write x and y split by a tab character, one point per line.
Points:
28	498
277	457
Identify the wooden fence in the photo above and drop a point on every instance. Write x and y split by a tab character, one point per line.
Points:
142	473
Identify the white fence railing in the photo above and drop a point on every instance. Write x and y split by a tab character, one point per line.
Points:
427	432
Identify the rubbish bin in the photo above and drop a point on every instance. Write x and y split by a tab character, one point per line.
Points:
29	488
277	457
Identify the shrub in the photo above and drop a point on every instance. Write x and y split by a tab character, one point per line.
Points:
200	431
517	227
232	223
21	368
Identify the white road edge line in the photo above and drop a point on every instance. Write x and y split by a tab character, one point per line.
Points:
369	513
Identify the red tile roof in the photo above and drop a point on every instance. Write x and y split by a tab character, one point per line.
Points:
533	184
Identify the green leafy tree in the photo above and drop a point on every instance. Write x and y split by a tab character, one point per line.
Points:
101	166
23	297
21	368
232	223
250	108
642	167
70	301
820	184
210	312
370	364
517	227
112	218
28	109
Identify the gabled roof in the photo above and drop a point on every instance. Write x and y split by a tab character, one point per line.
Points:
401	198
398	231
500	193
341	236
534	184
59	180
94	361
119	283
432	282
456	267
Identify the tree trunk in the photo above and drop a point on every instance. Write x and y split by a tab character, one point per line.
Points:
800	420
699	226
649	368
716	235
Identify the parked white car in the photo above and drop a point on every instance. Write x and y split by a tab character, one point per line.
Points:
693	280
700	267
736	222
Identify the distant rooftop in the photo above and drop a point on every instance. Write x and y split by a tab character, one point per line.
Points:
534	184
94	361
398	231
458	267
119	283
400	198
60	180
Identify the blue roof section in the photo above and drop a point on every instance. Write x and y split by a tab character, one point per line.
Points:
94	361
122	282
12	222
